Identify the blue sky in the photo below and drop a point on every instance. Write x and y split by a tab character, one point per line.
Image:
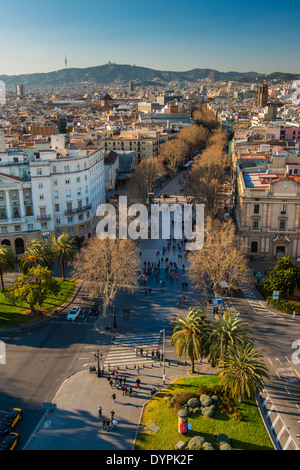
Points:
166	35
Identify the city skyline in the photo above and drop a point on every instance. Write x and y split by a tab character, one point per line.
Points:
260	37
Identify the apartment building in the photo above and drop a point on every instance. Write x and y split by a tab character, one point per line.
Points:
268	207
47	193
143	142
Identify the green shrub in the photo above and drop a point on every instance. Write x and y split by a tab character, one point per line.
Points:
196	443
223	439
206	400
180	399
225	446
215	399
193	402
208	412
208	446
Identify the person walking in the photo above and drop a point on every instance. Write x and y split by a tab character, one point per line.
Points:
100	412
138	369
113	397
114	423
104	424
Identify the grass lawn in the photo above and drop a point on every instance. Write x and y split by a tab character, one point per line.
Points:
249	434
13	315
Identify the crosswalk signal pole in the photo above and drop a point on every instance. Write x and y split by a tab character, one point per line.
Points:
164	375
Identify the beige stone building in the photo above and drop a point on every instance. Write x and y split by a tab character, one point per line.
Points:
145	143
268	208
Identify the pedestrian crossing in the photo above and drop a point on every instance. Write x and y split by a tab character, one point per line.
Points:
130	351
257	305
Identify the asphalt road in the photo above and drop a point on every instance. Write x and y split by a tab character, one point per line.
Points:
275	335
40	357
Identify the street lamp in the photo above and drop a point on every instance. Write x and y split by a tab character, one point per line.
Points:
114	313
164	337
98	356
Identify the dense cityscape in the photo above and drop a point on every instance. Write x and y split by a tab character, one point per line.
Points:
149	261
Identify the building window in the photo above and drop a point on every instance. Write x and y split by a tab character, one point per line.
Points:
71	230
283	209
55	194
255	223
256	208
70	220
282	224
56	207
39	172
67	181
66	168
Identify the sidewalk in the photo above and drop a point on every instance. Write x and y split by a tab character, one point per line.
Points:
75	425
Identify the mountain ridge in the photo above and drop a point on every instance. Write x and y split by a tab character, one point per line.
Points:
111	73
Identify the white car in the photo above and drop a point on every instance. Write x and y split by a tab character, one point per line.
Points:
73	314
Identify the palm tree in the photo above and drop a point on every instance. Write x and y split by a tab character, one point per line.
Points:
38	253
65	249
7	261
243	374
190	335
226	330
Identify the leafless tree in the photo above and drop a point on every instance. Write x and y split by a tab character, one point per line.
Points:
144	178
195	137
205	116
173	153
221	259
107	266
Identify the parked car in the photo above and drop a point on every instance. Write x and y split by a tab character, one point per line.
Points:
94	311
73	314
10	441
10	420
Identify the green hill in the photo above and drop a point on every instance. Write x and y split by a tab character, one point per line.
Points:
112	73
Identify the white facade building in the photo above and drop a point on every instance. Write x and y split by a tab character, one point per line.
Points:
45	194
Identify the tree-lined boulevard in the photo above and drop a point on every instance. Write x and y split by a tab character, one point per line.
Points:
172	293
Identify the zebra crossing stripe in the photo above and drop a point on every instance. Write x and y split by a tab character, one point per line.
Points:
123	351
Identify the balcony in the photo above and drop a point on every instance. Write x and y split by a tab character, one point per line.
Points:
43	217
77	210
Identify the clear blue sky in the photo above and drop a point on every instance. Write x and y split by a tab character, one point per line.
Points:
166	35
